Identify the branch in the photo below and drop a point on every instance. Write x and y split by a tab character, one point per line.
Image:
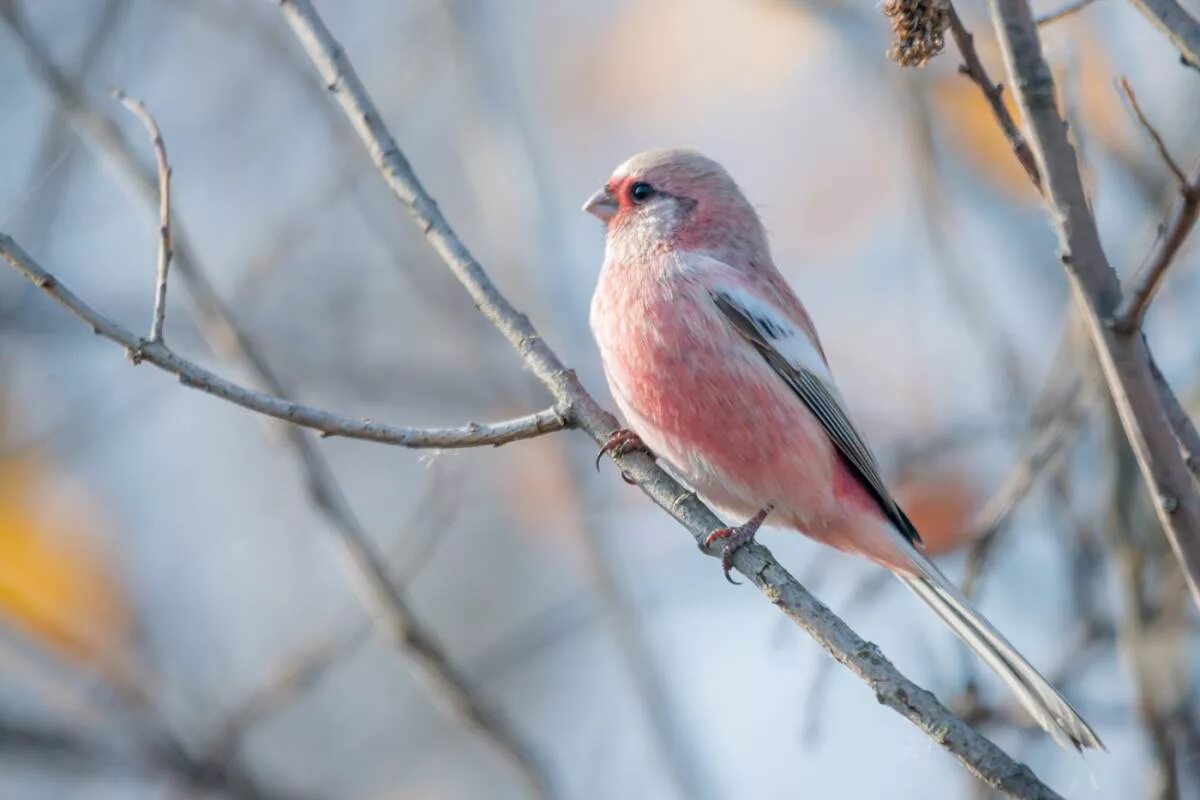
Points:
973	68
1180	27
388	602
1185	429
1174	233
138	109
1124	360
1158	260
1063	12
1159	144
978	754
473	434
1145	283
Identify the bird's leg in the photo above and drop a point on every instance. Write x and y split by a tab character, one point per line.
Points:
736	537
621	442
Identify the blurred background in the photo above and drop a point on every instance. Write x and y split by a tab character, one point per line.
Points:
176	615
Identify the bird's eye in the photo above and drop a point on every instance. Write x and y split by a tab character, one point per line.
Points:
640	192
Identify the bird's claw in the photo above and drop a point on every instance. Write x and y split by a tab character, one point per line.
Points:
735	538
622	442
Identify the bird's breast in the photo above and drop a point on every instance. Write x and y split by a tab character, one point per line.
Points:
700	396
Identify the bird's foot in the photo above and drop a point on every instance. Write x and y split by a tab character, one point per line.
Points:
622	442
735	538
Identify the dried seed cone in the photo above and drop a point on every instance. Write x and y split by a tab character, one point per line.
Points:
920	30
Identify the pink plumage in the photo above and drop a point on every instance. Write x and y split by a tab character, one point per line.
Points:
717	368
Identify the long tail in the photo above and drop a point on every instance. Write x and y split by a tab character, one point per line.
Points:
1036	694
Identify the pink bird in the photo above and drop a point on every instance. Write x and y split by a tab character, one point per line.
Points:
718	370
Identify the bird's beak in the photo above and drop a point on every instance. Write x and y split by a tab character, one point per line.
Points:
601	205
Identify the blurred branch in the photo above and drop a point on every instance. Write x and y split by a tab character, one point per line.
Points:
1055	423
298	676
1153	672
1179	26
69	749
1173	233
397	619
1063	12
393	614
1124	360
970	297
37	207
973	68
301	673
974	751
127	728
138	109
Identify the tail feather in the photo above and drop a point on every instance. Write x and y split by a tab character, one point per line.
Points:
1049	708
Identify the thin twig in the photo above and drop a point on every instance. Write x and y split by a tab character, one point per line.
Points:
1159	144
1144	284
993	92
1136	300
1124	360
138	109
1180	27
974	751
1063	12
390	606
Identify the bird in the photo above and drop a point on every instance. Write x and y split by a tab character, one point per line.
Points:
718	370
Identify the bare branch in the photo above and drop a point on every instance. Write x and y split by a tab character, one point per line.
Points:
1180	27
973	68
1124	360
975	752
1159	144
1173	234
1182	221
1185	429
1063	12
473	434
1144	284
389	604
138	109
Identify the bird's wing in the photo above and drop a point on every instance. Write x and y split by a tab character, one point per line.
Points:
794	356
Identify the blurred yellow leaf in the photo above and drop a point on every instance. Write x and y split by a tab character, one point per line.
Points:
54	585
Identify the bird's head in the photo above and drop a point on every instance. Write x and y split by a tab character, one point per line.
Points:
677	200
